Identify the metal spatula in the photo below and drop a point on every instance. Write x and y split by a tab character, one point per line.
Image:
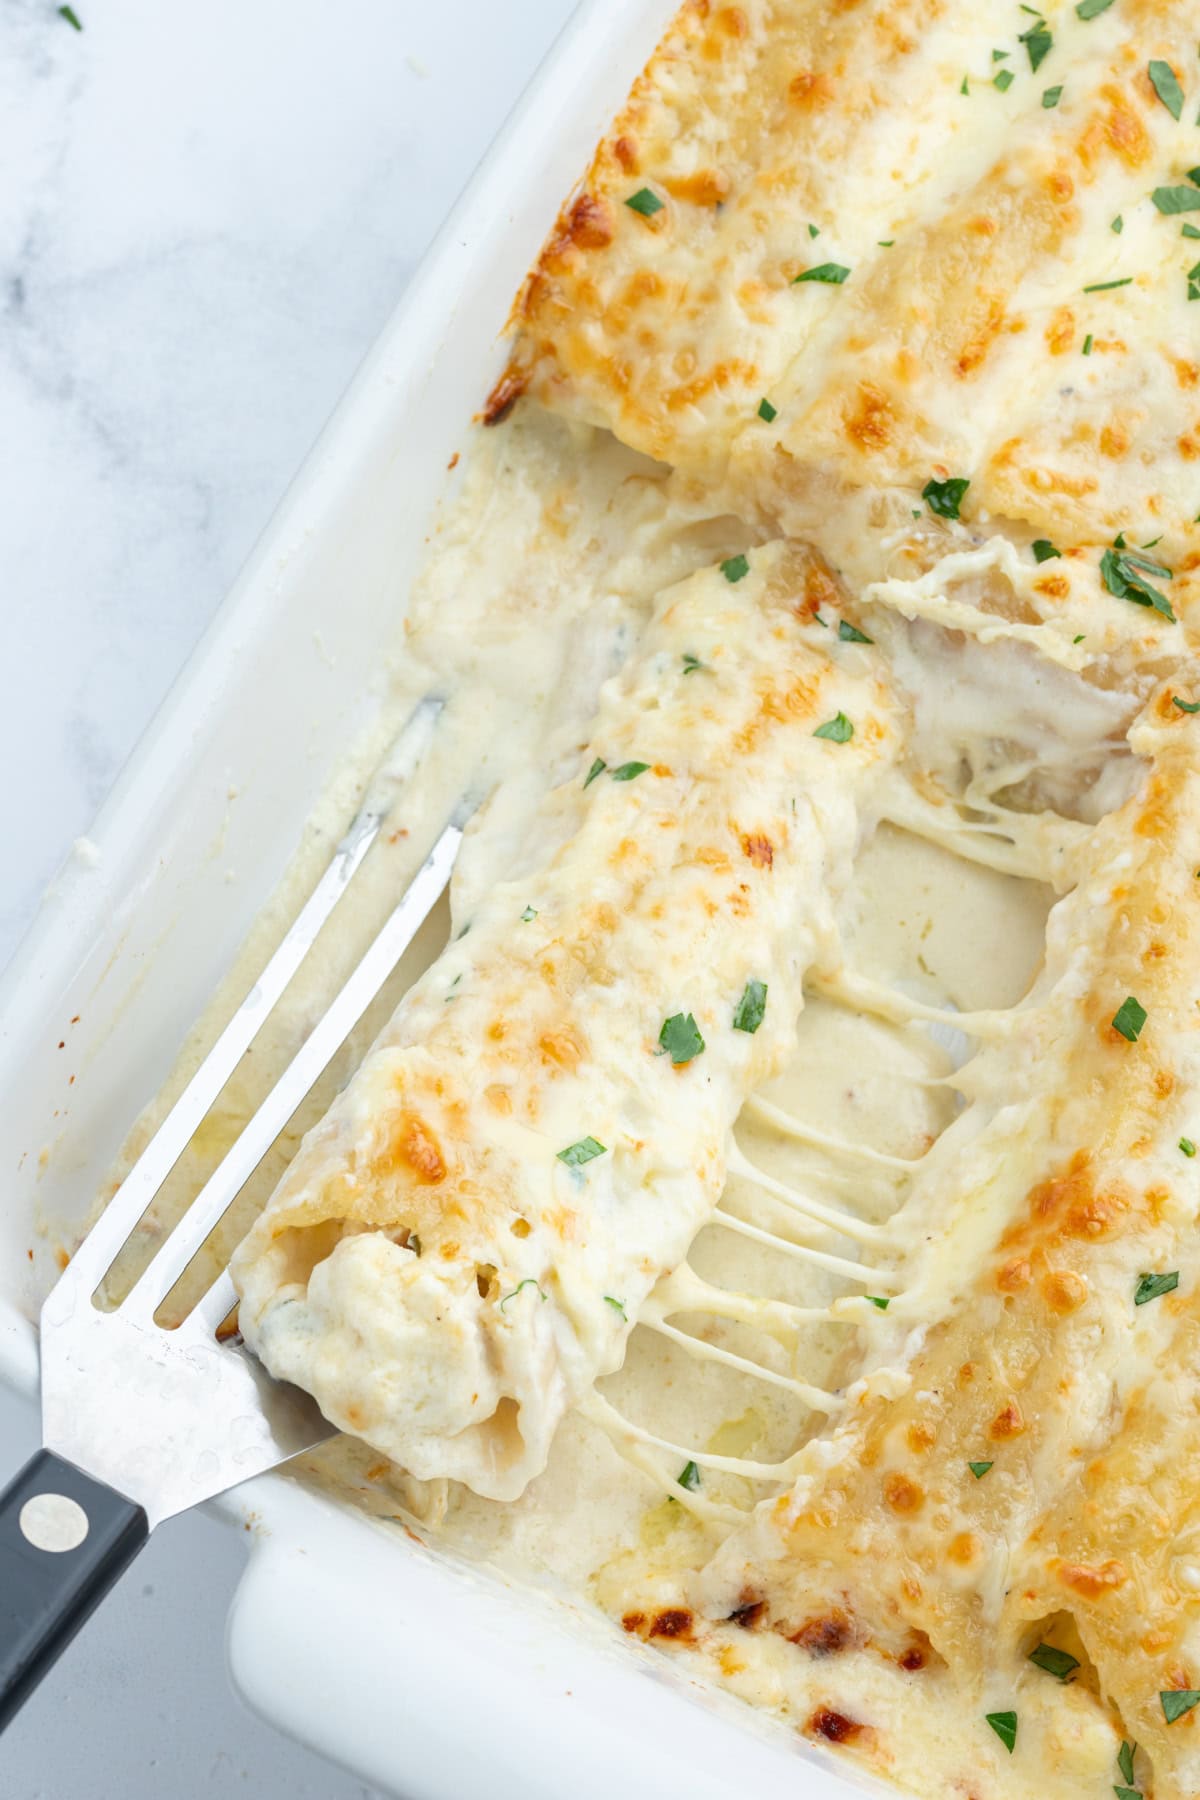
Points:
140	1422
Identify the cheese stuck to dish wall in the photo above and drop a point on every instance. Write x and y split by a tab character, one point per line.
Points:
461	1247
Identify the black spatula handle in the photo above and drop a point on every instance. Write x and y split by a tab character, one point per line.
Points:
64	1539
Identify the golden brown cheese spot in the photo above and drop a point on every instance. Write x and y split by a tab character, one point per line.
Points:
625	151
634	1621
1063	1291
416	1148
673	1622
1014	1275
974	350
1118	130
562	1049
1092	1581
520	1228
902	1494
499	1098
588	225
823	1636
1008	1423
964	1549
504	395
1115	437
921	1437
810	90
1060	332
704	187
837	1727
871	422
1055	587
759	850
748	1616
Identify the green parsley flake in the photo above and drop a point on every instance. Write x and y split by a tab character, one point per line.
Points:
1055	1662
585	1151
1043	550
645	202
885	243
617	1306
1088	341
528	1282
751	1007
1176	199
1118	225
767	411
734	567
1005	1727
1166	85
1127	1793
1004	80
1091	9
529	913
71	16
1125	1756
1079	639
1102	287
945	497
1194	174
1153	1287
1039	42
692	664
1187	706
1187	1146
979	1469
1129	1018
630	771
964	89
850	634
597	768
833	273
814	231
1051	97
689	1476
999	55
1177	1702
837	730
680	1038
879	1301
1190	231
1124	572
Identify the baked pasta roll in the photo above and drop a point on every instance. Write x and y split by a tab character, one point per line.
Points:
461	1246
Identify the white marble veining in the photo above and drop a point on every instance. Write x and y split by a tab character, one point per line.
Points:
207	211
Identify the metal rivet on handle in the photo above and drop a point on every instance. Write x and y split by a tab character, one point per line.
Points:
53	1522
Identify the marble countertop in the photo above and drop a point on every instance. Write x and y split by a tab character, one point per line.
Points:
206	215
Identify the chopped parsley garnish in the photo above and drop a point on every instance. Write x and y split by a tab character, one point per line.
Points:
833	273
1079	639
71	16
1088	341
1124	572
629	771
1125	1756
691	664
1039	42
1177	1702
1102	287
814	231
1191	231
1176	199
1004	80
1187	1146
597	768
964	89
767	411
885	243
1090	9
1127	1793
1153	1287
1055	1662
999	55
1188	706
734	567
879	1301
945	497
751	1007
1043	550
850	634
1129	1018
617	1305
689	1476
528	1282
1118	225
575	1155
837	730
1005	1727
646	202
1166	85
1051	97
979	1469
680	1038
1194	174
529	913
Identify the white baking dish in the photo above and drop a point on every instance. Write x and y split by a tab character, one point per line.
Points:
433	1681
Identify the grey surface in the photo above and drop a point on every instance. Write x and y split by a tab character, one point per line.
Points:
206	214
